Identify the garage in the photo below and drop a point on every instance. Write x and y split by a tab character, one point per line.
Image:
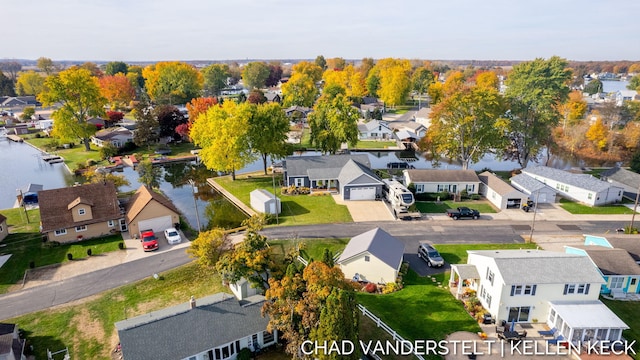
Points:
158	224
363	193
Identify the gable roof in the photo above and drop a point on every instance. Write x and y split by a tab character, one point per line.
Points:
543	267
79	200
582	181
6	338
303	165
110	133
629	243
622	176
496	184
529	184
378	243
435	175
372	125
178	332
54	211
424	113
144	196
355	173
407	125
611	261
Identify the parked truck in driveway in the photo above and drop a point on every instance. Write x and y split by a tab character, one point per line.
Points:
149	240
463	212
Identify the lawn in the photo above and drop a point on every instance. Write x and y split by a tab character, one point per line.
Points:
364	144
430	207
296	209
25	244
575	208
88	330
309	248
73	156
628	311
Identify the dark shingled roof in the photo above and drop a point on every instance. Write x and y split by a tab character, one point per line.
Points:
612	261
629	243
622	176
436	175
55	215
179	331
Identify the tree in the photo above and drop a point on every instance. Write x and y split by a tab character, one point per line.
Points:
299	90
12	68
99	176
421	80
436	92
148	174
593	87
195	108
310	69
78	92
395	83
221	132
209	247
172	82
348	78
145	133
631	136
373	82
93	68
634	68
635	162
488	79
327	258
575	108
7	87
338	321
275	74
268	129
321	62
634	83
535	89
114	117
169	117
466	124
255	74
365	66
29	83
333	122
256	96
115	67
215	78
28	112
337	63
135	77
597	134
46	65
117	89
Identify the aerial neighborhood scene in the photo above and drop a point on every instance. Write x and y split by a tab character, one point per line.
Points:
291	180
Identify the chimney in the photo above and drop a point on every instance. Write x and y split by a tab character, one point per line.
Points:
192	302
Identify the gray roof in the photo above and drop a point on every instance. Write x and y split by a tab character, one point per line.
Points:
496	184
527	183
179	331
581	181
622	176
630	243
424	113
372	125
378	243
611	261
542	267
353	173
466	271
435	175
299	165
31	188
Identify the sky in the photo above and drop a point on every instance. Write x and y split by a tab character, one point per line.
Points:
155	30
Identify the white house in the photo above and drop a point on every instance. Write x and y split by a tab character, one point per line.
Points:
374	130
215	327
434	180
117	136
501	194
45	124
625	95
579	187
556	288
626	179
373	256
411	127
423	116
537	191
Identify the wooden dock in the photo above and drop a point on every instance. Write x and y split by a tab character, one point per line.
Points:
15	138
234	200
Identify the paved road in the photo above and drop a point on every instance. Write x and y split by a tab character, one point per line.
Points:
411	233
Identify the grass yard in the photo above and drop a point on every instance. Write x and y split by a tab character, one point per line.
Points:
457	254
310	248
364	144
575	208
430	207
628	311
296	209
25	244
72	156
89	330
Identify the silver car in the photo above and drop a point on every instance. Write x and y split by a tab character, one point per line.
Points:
430	255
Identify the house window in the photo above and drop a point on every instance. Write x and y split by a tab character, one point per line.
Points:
490	276
367	258
81	211
523	290
581	288
488	298
111	223
566	188
633	281
267	337
471	188
616	282
576	289
440	188
1	229
61	232
420	188
81	228
299	182
590	196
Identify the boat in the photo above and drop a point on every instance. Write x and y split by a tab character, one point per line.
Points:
52	159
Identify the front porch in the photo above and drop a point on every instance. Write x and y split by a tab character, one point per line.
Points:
463	280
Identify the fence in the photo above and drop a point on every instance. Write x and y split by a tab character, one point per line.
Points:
386	328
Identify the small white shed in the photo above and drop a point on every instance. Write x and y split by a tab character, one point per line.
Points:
265	202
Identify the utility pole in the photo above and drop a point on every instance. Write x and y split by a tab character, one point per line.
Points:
24	206
635	207
535	211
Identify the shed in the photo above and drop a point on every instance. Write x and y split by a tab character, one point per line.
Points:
265	202
501	194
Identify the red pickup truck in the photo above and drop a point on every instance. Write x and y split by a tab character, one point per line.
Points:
149	240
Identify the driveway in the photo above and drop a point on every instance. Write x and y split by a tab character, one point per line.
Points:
366	210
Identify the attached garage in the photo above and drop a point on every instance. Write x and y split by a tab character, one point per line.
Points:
362	193
358	182
158	224
500	193
148	209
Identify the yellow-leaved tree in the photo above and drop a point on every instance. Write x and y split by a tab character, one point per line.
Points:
172	82
597	133
395	80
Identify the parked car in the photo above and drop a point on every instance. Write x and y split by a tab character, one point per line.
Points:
430	255
172	235
462	212
149	240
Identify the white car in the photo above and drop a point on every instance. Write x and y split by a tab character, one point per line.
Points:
172	235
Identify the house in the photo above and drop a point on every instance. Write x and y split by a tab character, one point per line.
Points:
625	95
99	123
434	181
148	209
499	193
423	116
11	346
20	102
537	191
373	256
272	97
4	229
369	105
349	175
579	187
374	130
79	212
557	288
411	127
116	136
45	124
243	289
265	202
214	327
626	179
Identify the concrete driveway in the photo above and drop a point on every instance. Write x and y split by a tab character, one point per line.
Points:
366	210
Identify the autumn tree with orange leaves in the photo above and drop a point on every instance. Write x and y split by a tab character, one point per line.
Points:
117	90
195	107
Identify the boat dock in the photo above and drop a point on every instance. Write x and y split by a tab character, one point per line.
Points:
164	159
52	159
15	138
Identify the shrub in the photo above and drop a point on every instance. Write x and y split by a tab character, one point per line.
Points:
69	256
244	354
475	197
90	162
121	246
38	135
370	288
390	287
107	151
89	252
28	112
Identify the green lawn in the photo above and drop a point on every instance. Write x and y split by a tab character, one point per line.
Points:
25	245
628	311
457	254
576	208
364	144
89	330
296	209
72	156
430	207
309	248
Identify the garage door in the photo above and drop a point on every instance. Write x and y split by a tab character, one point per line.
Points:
363	193
157	224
